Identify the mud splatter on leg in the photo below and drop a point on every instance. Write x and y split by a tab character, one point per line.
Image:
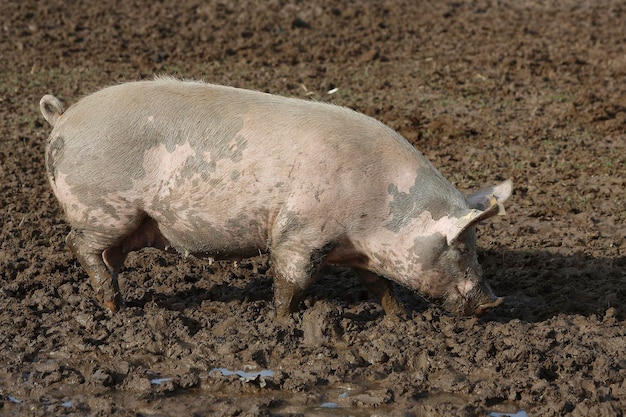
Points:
104	283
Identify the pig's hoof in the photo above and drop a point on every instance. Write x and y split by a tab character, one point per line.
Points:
287	318
398	314
394	311
111	306
114	305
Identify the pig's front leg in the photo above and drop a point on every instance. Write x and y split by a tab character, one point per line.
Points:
382	290
295	265
103	281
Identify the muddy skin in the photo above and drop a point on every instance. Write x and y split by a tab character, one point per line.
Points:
525	90
287	298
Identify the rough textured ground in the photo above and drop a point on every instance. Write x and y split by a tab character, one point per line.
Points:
488	90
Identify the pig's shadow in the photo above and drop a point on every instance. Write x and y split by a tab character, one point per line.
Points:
541	284
536	285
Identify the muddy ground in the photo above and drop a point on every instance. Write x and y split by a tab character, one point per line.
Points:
488	90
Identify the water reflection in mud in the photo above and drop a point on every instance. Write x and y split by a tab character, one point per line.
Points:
258	376
346	399
519	413
159	381
246	376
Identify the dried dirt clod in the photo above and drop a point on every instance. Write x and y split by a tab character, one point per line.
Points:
321	324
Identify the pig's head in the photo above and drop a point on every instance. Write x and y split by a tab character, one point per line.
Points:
449	264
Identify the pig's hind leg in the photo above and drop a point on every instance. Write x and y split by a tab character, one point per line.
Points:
103	256
90	256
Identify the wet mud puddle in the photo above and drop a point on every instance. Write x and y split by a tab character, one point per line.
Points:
350	399
519	413
355	400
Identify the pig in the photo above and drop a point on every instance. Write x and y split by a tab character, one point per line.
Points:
225	173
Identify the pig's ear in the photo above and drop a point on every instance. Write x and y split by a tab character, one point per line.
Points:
465	219
482	199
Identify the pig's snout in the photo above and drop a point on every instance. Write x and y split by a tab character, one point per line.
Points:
479	300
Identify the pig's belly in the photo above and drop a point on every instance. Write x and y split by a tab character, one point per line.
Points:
215	237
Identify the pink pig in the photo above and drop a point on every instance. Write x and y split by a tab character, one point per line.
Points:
227	173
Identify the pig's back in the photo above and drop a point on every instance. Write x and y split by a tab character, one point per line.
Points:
134	131
146	114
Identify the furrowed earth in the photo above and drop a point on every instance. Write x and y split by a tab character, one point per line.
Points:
529	90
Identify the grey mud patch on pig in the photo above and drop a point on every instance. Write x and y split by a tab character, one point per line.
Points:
425	250
198	162
227	144
55	151
139	134
290	223
430	193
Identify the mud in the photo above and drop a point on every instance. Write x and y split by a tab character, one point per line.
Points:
528	90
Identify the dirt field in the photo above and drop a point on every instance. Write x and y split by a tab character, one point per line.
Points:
529	90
